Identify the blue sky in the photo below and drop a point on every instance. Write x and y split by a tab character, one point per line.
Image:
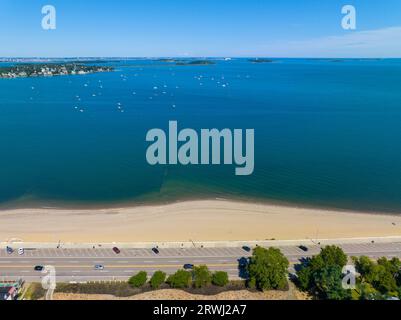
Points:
281	28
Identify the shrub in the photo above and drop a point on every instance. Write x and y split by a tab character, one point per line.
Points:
138	280
220	278
157	279
202	276
180	279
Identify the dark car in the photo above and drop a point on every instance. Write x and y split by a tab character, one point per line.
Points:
38	268
188	266
9	250
246	248
303	248
116	250
155	250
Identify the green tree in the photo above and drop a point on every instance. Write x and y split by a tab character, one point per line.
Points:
157	279
305	278
322	275
382	280
328	283
180	279
202	276
392	266
363	265
267	269
138	280
220	278
333	256
365	291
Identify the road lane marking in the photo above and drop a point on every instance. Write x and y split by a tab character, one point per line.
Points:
143	257
126	266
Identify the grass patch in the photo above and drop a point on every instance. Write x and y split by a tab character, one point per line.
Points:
123	289
34	292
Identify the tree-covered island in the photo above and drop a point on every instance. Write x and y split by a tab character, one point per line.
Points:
49	70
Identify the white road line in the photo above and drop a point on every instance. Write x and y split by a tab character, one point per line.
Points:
139	257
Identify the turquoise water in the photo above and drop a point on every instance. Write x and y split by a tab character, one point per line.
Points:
326	133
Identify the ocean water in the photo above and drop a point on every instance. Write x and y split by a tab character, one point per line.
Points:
327	133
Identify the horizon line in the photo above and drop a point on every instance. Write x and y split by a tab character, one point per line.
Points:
194	57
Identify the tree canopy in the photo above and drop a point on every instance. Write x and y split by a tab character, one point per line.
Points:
267	269
322	274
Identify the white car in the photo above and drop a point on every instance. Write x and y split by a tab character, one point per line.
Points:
21	251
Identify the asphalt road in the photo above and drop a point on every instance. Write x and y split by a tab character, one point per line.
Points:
78	264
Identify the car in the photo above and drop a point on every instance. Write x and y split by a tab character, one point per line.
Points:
9	250
116	250
155	250
246	248
21	251
38	268
188	266
99	267
303	248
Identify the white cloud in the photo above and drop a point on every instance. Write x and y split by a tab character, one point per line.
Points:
380	43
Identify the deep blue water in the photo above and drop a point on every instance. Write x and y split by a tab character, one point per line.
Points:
326	133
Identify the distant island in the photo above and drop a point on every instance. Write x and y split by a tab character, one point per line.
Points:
49	70
258	60
181	62
195	63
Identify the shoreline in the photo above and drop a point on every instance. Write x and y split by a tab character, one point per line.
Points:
195	220
28	203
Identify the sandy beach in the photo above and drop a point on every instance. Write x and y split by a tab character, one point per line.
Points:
211	220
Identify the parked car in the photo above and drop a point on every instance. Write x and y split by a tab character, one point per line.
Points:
116	250
9	250
188	266
21	251
155	250
39	268
303	248
246	248
99	267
